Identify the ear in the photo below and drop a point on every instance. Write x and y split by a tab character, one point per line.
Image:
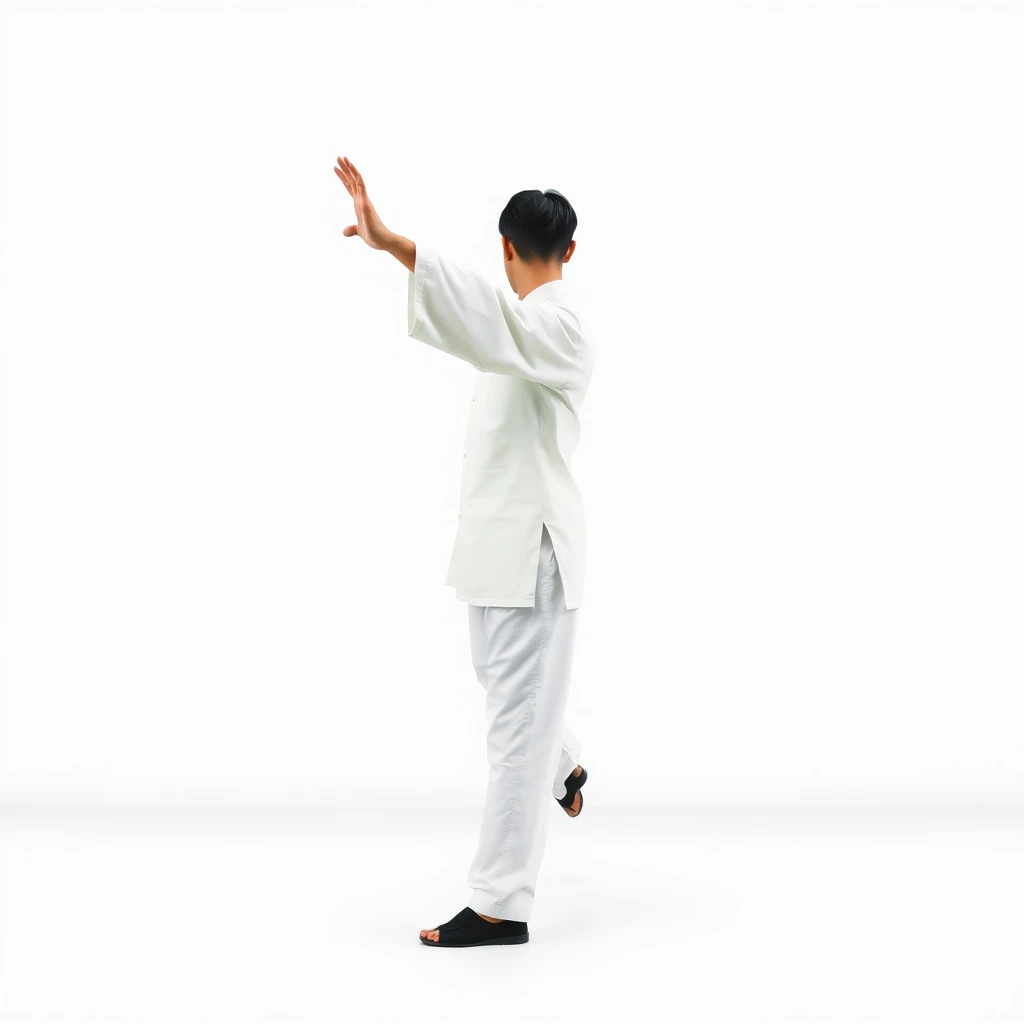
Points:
507	248
569	251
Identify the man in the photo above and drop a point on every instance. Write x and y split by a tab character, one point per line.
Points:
519	546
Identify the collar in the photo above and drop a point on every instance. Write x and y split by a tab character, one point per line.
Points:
556	286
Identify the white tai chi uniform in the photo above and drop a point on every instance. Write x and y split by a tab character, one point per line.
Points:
518	556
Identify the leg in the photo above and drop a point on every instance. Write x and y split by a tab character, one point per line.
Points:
523	658
569	755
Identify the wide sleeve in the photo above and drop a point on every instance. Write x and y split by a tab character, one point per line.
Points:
460	312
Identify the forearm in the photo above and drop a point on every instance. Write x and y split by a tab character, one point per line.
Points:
403	249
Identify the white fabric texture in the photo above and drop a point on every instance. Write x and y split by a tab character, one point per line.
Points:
534	361
523	659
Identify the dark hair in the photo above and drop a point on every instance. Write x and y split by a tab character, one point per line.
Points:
539	225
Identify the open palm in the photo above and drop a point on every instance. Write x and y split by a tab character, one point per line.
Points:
368	225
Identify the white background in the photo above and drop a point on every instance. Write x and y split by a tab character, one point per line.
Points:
231	478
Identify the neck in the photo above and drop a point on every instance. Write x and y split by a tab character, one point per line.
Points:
529	277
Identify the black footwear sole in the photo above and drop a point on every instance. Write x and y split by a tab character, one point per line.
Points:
511	940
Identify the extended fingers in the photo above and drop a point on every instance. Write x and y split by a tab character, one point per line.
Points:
354	175
352	179
346	177
345	172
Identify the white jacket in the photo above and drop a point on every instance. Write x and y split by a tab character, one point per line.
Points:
534	361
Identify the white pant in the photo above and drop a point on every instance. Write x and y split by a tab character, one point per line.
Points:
523	659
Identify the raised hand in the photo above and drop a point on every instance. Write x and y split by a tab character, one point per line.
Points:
368	225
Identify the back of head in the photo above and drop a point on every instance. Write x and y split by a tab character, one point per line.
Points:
540	225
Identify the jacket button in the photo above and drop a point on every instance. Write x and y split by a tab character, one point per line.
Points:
473	399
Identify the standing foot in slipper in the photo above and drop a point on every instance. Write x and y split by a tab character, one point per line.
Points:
469	928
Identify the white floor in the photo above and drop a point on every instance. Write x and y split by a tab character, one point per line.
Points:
223	916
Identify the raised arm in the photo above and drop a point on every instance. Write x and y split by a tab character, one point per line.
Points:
460	312
368	226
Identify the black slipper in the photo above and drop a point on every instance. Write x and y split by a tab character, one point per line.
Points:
572	787
468	928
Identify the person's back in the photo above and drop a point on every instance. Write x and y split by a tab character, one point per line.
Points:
523	427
